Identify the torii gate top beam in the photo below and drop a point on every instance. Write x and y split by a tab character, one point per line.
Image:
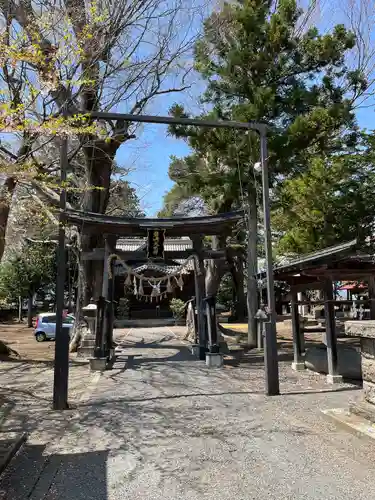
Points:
175	226
259	127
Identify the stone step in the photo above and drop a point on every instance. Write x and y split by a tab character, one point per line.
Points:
85	352
88	343
144	323
349	361
363	409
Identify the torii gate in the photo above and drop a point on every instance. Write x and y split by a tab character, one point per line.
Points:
61	369
194	227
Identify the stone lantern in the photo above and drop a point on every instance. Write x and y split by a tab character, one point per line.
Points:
87	346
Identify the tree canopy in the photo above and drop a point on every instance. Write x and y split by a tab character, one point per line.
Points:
260	65
331	202
261	62
79	56
28	271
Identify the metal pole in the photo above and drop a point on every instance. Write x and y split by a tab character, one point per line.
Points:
61	368
199	291
270	345
331	338
296	328
171	120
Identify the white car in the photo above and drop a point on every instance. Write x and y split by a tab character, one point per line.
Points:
45	327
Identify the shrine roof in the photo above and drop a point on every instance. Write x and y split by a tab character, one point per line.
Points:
349	259
174	226
139	244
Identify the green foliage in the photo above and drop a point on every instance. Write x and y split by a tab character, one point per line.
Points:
123	200
177	306
333	201
260	65
123	308
28	272
225	294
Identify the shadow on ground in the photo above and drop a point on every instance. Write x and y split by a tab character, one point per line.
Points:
154	418
55	476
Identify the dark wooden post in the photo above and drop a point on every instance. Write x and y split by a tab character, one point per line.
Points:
110	312
298	361
99	328
301	328
196	332
30	310
371	295
108	289
329	308
211	324
61	367
105	283
199	293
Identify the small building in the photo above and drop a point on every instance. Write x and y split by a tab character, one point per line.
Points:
143	306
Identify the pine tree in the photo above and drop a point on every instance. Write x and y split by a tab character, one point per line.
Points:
259	64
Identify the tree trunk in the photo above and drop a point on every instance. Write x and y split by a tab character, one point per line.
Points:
30	311
99	169
252	264
213	276
190	323
6	193
215	269
19	309
81	300
238	281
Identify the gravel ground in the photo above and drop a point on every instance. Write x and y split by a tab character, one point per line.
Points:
22	340
26	394
161	425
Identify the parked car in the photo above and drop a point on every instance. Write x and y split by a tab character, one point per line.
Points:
45	327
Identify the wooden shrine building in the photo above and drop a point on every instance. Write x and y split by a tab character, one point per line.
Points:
141	307
349	261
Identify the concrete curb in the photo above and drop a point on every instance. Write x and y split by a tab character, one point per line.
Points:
350	422
19	439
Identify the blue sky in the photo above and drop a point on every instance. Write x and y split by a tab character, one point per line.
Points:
148	155
148	159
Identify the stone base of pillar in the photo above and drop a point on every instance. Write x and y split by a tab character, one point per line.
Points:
334	379
98	364
298	367
214	360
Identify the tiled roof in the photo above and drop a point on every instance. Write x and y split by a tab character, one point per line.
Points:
138	244
170	245
131	244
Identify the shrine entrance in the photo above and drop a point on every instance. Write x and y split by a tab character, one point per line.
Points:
153	272
143	291
196	228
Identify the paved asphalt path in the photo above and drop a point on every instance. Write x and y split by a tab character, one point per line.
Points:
162	426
